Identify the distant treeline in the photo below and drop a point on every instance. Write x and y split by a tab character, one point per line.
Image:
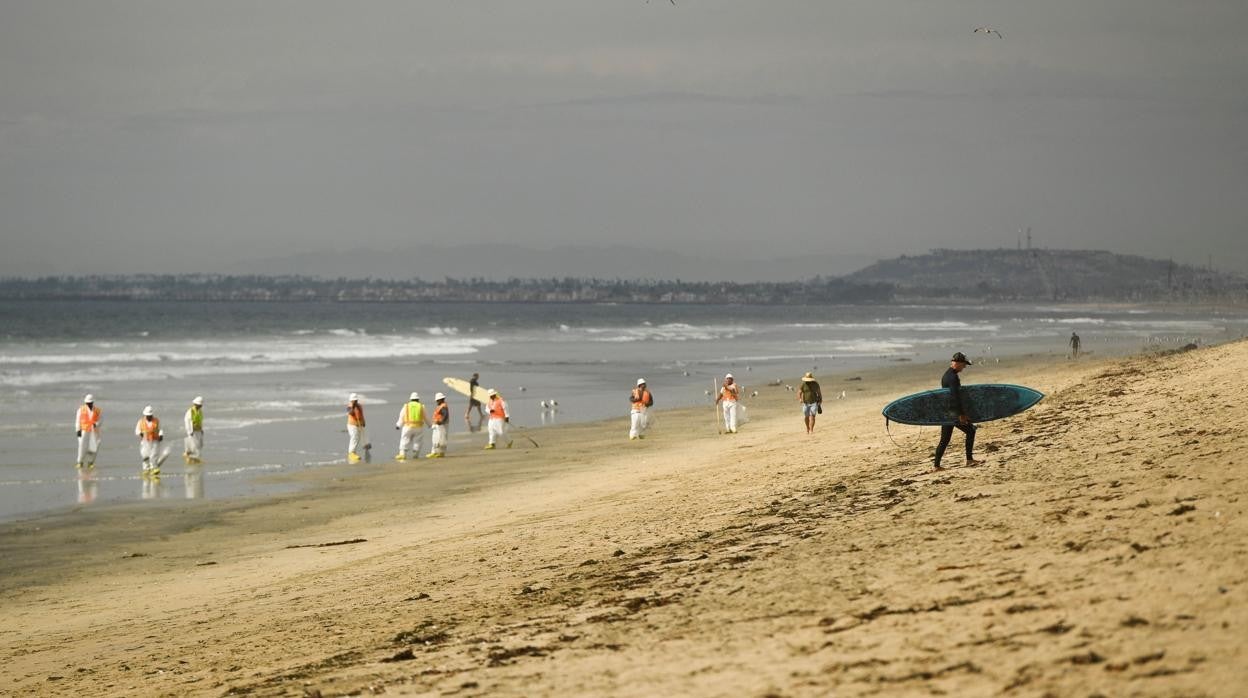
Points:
208	287
986	276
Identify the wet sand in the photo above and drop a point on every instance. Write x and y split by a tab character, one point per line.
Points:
1100	550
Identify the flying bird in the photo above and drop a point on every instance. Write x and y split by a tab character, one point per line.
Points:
987	30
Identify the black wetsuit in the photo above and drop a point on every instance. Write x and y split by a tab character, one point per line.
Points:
951	381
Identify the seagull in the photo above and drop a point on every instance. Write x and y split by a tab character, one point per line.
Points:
544	405
986	31
754	394
706	392
554	404
522	388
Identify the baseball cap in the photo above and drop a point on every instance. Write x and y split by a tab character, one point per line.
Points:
961	358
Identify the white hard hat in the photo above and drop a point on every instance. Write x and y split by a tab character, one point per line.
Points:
148	411
491	391
727	376
353	397
199	400
641	381
439	396
414	396
89	398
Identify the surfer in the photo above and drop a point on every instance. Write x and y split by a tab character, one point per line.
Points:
1075	343
441	414
641	400
193	446
499	419
150	435
88	429
729	393
811	399
953	383
472	397
412	422
355	428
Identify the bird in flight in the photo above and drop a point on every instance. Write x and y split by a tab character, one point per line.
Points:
987	30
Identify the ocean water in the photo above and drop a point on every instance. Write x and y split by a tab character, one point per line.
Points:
275	376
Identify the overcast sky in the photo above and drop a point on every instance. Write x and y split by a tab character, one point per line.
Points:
169	136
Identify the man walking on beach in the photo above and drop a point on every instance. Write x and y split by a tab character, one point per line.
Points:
500	417
441	415
729	394
87	422
193	446
355	429
150	435
812	400
1075	343
951	381
641	400
412	422
473	383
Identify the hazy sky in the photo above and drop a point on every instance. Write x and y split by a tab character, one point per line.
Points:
171	136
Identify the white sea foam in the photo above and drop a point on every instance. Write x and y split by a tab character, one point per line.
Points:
114	374
670	332
940	326
250	350
443	331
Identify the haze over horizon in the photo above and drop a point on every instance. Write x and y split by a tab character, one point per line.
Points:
172	137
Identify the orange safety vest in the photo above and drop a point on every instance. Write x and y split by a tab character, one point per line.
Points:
730	392
88	418
497	410
441	414
642	399
355	415
150	431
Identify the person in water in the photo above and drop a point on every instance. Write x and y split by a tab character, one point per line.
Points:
953	383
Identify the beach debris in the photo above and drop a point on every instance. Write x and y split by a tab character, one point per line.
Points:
502	655
205	563
1182	509
427	633
855	378
328	545
126	556
617	553
400	656
419	597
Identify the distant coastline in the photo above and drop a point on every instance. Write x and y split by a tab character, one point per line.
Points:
944	276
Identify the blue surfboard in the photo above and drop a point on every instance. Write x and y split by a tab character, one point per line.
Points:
984	403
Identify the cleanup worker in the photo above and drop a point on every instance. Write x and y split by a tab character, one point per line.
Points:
87	426
641	400
441	419
499	419
193	446
412	422
729	394
150	435
355	429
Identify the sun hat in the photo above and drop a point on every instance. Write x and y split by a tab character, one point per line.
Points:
727	376
491	392
808	377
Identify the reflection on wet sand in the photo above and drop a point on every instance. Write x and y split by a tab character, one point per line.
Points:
151	488
88	487
194	482
475	424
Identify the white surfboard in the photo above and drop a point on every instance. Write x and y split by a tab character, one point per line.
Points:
462	386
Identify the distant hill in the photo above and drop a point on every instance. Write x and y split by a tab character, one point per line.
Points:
1059	275
499	262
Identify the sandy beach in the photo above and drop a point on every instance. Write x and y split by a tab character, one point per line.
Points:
1100	550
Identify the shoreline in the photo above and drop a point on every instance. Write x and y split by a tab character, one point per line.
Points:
690	562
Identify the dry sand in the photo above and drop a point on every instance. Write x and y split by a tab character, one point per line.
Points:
1099	551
